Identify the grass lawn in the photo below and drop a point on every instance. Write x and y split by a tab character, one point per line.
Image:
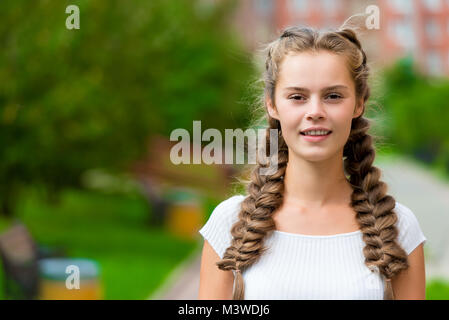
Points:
134	258
437	289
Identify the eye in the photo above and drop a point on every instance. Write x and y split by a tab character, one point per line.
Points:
334	96
297	97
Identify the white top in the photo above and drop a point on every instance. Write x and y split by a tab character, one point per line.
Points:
301	267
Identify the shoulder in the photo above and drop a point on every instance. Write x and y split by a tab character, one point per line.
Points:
228	209
231	202
410	234
405	215
217	230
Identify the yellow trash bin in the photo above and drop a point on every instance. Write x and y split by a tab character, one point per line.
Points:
184	214
69	279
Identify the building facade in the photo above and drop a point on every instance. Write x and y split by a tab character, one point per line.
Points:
419	28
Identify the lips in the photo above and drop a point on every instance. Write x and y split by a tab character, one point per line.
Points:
303	133
316	128
315	139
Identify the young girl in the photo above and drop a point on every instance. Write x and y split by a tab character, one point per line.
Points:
322	226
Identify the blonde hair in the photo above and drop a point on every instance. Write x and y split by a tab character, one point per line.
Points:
369	199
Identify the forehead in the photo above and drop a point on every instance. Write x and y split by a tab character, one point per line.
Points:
314	70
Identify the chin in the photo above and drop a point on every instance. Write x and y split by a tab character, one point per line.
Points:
318	156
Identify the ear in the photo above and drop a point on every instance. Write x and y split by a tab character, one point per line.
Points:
359	108
270	108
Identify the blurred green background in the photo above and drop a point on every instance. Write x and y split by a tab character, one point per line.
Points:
79	110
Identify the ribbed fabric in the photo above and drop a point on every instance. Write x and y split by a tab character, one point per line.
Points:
301	267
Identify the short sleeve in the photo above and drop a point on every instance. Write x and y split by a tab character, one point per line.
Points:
217	230
410	233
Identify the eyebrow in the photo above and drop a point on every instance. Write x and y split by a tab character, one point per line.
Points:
325	89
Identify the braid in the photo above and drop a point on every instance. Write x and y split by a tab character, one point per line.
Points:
255	217
373	206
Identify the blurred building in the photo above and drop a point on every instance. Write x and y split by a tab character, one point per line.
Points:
420	27
416	27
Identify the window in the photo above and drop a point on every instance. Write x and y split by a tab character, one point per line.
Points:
263	7
401	31
329	6
434	63
448	61
402	6
299	5
432	5
433	30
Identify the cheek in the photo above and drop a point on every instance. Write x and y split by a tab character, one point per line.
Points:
345	117
342	128
291	123
290	115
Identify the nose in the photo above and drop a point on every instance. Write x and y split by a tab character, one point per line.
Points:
315	110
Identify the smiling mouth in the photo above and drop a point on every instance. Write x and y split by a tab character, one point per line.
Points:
316	135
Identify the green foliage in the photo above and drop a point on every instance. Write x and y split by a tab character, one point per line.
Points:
417	112
72	100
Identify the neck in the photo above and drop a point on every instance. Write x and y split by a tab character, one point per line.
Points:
316	184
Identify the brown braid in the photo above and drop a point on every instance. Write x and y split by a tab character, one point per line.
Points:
255	217
373	207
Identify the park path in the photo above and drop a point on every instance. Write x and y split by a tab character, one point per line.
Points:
409	183
184	281
427	195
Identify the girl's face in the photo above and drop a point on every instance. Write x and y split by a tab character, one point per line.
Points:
314	90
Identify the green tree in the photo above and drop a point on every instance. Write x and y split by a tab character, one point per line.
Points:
418	113
71	100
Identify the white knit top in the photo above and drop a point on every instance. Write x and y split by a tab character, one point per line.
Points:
300	267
